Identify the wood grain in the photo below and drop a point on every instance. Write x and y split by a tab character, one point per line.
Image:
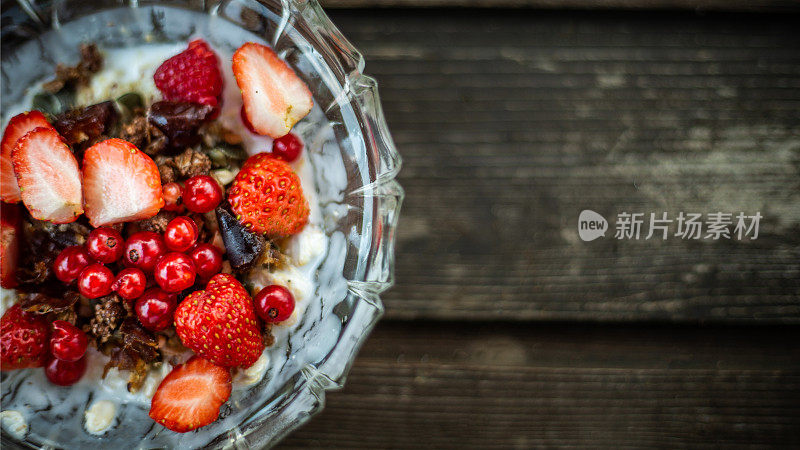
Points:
512	122
437	385
697	5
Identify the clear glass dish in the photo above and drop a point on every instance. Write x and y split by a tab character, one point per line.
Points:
354	166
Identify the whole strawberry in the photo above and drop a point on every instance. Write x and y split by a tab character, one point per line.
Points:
24	339
191	76
220	323
266	197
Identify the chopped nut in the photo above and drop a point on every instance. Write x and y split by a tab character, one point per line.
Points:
108	313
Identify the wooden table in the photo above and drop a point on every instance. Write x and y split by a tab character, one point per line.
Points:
505	329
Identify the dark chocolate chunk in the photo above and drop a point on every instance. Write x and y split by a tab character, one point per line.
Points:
243	246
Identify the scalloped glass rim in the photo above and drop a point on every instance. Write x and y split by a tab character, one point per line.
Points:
369	270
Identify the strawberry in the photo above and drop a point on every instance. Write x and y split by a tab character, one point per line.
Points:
17	127
275	98
190	396
120	183
266	197
24	339
219	323
10	232
191	76
48	176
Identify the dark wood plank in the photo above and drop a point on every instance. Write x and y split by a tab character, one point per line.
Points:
697	5
435	385
512	122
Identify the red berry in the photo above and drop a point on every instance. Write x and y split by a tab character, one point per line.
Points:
246	121
274	97
201	194
181	234
274	303
143	250
23	339
172	197
190	396
105	245
155	309
67	342
65	373
266	197
71	262
191	76
120	183
95	281
287	148
219	323
207	260
130	283
174	272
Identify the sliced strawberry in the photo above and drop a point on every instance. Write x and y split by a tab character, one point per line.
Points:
17	127
120	183
190	396
275	98
10	232
48	176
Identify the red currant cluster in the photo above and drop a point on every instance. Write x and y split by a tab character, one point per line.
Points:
174	261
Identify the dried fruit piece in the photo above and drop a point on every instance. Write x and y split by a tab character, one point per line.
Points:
179	121
86	124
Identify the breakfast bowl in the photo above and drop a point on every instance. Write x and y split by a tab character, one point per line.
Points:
349	160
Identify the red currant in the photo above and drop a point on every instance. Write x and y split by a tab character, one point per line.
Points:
65	373
207	260
246	121
201	194
71	262
274	303
130	283
174	272
155	309
105	245
67	342
172	197
95	281
287	147
181	234
143	250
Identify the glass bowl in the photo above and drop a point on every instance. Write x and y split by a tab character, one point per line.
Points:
354	165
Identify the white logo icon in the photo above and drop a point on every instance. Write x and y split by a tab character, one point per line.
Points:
591	225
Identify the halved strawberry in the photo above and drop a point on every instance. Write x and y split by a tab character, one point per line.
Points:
48	176
275	98
17	127
10	233
120	183
190	396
